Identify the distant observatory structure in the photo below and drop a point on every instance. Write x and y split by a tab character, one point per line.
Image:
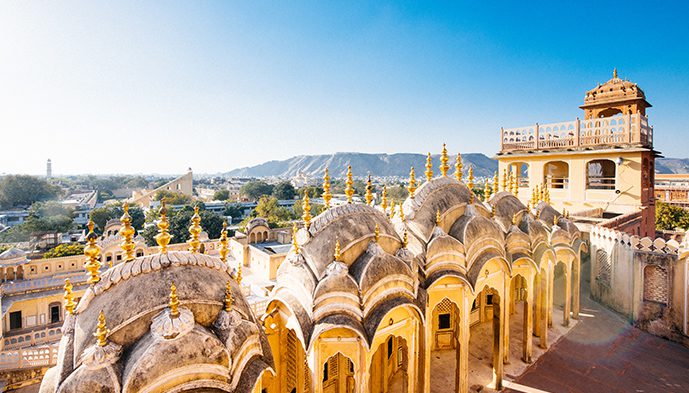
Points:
49	169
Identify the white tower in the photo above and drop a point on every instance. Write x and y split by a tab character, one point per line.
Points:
49	169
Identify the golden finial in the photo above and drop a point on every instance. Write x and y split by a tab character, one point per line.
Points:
503	185
405	238
229	299
515	218
295	245
127	232
547	196
496	183
337	255
470	178
327	196
224	250
349	189
443	162
238	277
537	195
163	237
101	331
614	73
376	233
511	183
437	217
412	183
369	191
429	168
401	212
92	253
392	210
306	207
384	198
556	219
174	301
458	167
487	191
194	231
69	297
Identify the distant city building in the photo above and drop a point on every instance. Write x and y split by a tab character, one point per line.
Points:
182	185
672	189
49	169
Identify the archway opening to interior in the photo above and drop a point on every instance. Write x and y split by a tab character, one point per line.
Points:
485	354
389	366
338	375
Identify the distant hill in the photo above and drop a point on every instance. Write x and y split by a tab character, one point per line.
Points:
393	165
363	163
672	165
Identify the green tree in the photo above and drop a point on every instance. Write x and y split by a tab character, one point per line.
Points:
48	217
397	193
181	221
284	190
314	191
255	189
101	215
63	250
221	195
316	209
669	217
172	198
22	190
234	210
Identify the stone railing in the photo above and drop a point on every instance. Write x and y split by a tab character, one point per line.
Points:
31	336
620	130
45	355
635	243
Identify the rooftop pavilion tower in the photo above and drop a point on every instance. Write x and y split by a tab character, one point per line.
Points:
601	166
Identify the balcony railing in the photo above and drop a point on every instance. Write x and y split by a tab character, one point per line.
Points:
45	355
620	130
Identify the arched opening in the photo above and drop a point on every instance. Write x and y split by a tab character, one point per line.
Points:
389	366
519	316
445	346
485	341
559	297
521	172
10	274
609	112
600	175
556	174
252	238
338	375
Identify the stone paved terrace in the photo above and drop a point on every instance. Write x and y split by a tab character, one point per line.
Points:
603	353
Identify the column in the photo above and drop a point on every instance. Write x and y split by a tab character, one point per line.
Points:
568	296
464	335
527	327
427	349
543	306
498	344
576	283
506	321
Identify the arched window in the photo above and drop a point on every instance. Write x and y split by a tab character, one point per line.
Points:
556	174
600	175
609	112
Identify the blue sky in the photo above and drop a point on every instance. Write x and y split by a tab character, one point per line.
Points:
140	87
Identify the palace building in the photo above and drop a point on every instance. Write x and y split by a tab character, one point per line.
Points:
600	166
365	298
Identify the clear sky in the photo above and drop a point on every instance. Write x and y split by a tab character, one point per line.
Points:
142	87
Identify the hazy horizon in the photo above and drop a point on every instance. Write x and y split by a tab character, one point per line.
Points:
157	87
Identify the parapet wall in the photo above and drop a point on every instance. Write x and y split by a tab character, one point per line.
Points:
642	278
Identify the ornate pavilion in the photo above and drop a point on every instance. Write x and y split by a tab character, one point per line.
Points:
364	298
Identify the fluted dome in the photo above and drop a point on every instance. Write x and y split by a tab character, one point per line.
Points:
150	349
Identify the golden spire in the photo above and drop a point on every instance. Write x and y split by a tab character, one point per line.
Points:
392	210
327	196
238	277
101	331
458	167
174	301
443	162
496	183
229	300
384	198
547	196
470	178
614	72
515	218
194	231
429	168
503	185
486	191
412	183
337	255
437	217
295	245
401	212
541	197
349	189
369	190
405	238
224	250
163	237
306	207
537	194
376	233
511	182
92	253
127	232
69	297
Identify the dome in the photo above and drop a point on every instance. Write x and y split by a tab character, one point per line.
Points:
614	90
146	346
